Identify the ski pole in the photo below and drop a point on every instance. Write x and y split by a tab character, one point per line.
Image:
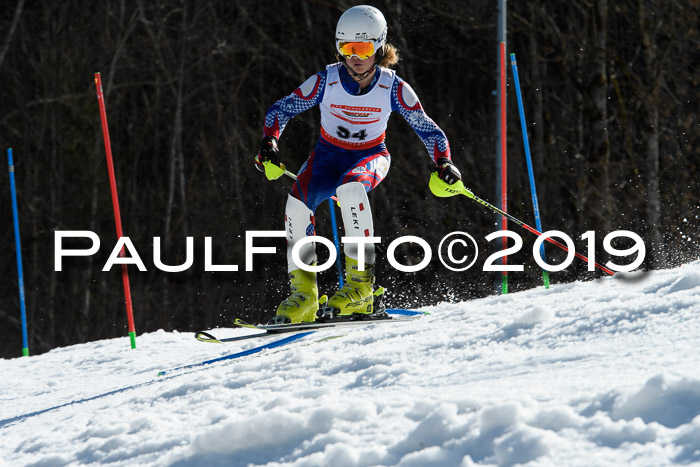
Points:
443	190
20	274
287	173
528	158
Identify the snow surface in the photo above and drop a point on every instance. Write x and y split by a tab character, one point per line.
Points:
596	373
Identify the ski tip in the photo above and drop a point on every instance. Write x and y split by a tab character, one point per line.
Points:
237	322
206	337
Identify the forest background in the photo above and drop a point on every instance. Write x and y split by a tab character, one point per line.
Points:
610	93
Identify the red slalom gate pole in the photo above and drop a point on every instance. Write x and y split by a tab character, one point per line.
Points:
504	163
115	204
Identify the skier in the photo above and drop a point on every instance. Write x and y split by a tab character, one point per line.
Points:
356	96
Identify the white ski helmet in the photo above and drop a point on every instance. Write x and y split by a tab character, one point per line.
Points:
362	23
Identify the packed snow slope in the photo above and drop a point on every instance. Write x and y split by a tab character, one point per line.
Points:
605	372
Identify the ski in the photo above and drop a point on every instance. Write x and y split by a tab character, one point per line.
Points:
264	330
392	314
244	353
203	336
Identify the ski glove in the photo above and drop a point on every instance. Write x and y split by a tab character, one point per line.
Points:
267	160
447	171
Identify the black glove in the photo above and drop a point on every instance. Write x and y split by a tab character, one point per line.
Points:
447	171
268	152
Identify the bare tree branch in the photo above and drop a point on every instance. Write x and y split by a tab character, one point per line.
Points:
11	33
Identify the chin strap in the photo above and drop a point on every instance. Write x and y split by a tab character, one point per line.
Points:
360	76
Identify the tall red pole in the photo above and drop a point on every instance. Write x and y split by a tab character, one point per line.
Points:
504	162
115	204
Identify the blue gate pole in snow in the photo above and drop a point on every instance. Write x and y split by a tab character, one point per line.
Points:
334	225
15	216
530	171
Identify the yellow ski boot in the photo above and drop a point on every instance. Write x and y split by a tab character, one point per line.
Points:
357	294
302	304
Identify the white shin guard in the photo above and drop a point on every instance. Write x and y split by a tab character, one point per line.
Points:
357	218
299	224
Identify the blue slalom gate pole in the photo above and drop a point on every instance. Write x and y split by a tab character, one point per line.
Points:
15	217
530	171
334	225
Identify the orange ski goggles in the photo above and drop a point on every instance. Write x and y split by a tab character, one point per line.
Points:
361	50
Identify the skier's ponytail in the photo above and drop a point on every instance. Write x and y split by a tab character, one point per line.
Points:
390	56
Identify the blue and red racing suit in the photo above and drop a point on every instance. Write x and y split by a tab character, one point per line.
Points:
353	121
